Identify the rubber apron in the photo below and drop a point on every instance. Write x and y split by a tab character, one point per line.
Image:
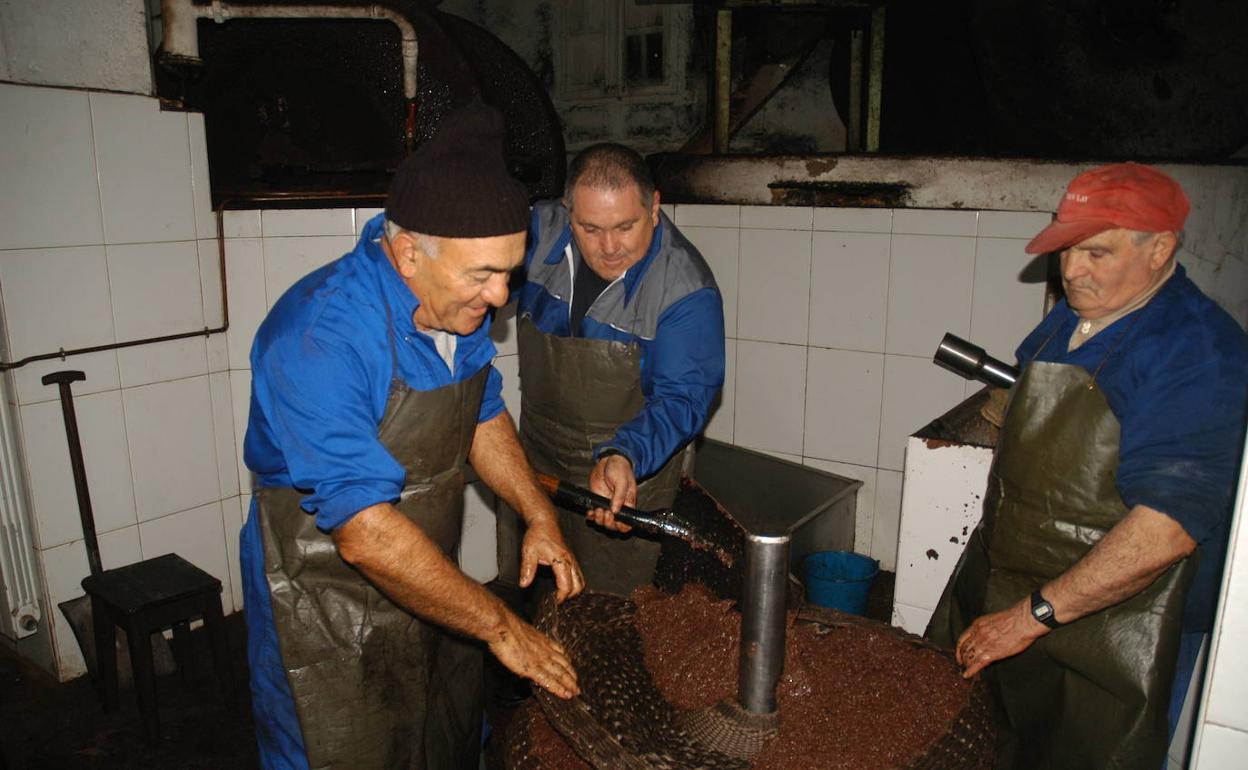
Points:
575	393
374	686
1094	693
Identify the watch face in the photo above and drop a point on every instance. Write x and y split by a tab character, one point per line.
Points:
1042	611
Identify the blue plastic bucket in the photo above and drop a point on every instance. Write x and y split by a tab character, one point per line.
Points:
839	580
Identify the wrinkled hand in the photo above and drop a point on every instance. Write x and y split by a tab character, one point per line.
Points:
996	637
543	544
529	653
613	477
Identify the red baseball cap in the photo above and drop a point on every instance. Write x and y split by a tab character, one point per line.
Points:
1127	195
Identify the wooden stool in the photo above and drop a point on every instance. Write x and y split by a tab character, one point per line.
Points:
147	597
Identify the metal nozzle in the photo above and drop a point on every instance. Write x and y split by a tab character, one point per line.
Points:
972	362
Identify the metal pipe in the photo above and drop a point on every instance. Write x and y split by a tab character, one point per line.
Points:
763	621
179	18
973	362
62	354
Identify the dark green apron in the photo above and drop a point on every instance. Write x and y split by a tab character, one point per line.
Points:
374	686
1092	694
575	393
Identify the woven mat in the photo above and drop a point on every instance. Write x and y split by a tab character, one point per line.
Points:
620	721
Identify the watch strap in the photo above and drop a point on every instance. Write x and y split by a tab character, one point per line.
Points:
1042	610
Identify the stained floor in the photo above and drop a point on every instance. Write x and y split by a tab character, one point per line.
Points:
48	725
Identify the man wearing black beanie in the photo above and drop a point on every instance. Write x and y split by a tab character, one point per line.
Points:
371	385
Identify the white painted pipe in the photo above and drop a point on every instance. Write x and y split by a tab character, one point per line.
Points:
181	39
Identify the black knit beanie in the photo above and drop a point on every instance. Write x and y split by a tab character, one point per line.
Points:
456	184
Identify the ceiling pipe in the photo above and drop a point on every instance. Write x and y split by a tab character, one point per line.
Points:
181	39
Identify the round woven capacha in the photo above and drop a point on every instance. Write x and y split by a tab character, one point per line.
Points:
621	719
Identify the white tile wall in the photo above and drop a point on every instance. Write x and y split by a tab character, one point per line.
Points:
1222	748
155	289
45	135
287	259
242	224
851	220
775	266
143	201
916	392
201	186
849	290
771	378
478	554
935	222
283	222
244	270
170	429
223	433
708	216
240	403
777	217
107	463
929	291
146	364
209	256
37	287
843	393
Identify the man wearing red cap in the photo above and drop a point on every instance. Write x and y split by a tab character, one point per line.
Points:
1084	593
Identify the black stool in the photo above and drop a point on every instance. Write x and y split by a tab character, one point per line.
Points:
142	598
147	597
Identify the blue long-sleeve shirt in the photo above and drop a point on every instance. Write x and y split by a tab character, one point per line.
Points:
1175	374
670	307
322	363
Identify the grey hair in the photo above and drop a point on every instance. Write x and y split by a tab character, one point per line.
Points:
1138	237
429	244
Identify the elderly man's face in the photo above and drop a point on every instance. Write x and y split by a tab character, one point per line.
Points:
612	228
458	287
1106	272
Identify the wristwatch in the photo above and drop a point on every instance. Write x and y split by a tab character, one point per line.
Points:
1042	611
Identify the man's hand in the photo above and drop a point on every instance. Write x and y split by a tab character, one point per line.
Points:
543	544
996	637
529	653
613	477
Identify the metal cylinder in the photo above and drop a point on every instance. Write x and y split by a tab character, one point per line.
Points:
972	362
762	621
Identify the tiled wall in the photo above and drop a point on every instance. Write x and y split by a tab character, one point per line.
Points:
106	235
832	317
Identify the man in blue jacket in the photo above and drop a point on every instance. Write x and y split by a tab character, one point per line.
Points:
1084	592
621	343
371	385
